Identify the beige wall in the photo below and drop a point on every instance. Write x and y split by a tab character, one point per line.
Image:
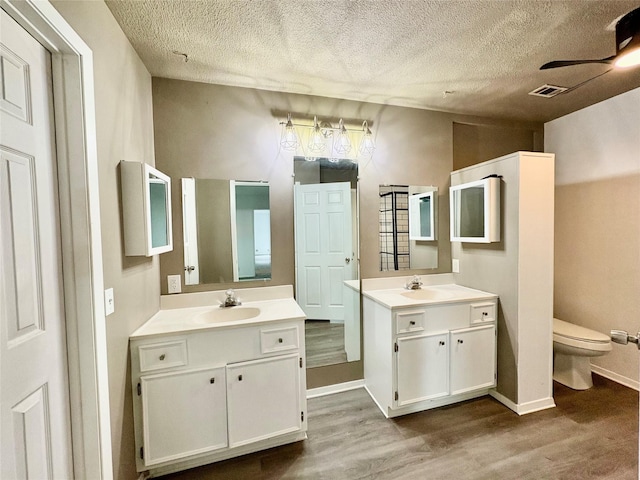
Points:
473	143
519	268
124	132
597	244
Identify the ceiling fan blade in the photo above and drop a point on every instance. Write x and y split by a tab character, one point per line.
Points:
568	63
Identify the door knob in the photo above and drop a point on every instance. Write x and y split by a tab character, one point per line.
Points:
347	260
622	337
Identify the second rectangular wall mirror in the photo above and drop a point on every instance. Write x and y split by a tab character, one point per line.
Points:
226	231
408	225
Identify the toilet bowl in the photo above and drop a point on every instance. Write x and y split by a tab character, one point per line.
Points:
573	346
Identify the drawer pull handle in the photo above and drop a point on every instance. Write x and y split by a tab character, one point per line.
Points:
162	357
441	342
279	340
212	380
412	322
460	341
239	378
484	314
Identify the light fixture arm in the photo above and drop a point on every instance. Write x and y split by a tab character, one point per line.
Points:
322	125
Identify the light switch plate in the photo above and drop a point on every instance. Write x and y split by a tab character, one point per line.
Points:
455	265
175	283
109	303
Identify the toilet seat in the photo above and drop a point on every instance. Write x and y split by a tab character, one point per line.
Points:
580	337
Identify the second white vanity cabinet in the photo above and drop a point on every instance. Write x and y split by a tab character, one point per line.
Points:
421	355
203	394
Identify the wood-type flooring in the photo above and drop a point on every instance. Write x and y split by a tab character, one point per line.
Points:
591	434
324	343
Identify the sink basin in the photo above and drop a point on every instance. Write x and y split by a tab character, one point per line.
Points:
231	314
427	294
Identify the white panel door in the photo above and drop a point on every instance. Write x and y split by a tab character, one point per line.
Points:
183	414
190	232
473	358
263	399
34	409
324	248
422	367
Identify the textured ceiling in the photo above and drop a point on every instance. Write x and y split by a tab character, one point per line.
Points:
399	52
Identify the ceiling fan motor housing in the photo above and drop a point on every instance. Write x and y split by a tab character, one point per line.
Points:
628	31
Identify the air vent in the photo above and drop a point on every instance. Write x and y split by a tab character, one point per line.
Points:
548	91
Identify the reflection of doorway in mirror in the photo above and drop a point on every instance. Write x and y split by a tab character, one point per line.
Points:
326	213
324	248
190	232
250	230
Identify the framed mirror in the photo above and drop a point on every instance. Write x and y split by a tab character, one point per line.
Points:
226	231
408	225
327	258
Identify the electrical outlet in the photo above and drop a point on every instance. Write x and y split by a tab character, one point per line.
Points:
109	303
175	283
455	265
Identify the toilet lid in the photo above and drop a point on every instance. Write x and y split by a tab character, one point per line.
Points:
569	330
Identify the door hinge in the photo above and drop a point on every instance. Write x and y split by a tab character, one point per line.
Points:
142	453
396	396
300	362
302	416
395	347
139	389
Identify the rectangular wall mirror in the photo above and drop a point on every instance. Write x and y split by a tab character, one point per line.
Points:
326	258
226	230
408	226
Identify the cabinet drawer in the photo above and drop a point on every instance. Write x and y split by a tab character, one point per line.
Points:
482	312
279	339
410	321
163	355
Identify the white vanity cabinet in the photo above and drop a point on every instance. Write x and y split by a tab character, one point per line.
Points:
206	395
426	356
184	414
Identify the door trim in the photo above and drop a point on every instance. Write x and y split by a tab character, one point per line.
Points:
74	107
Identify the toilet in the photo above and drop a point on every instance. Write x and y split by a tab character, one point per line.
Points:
573	346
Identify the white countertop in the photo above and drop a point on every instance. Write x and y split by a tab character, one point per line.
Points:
183	319
440	294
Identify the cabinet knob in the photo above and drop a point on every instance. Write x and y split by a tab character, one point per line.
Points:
212	380
460	341
441	342
484	314
239	378
162	357
412	322
279	340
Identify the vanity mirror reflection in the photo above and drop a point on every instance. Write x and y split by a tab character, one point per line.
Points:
226	231
408	226
326	258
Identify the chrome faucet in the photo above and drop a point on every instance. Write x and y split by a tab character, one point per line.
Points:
414	283
231	300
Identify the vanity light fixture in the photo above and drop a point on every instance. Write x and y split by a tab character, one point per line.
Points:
342	144
289	139
367	145
317	143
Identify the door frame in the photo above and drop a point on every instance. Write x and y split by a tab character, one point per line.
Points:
76	150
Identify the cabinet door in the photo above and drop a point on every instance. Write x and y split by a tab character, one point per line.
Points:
473	358
422	368
264	399
183	414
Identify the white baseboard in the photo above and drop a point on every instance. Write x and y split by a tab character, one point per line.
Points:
337	388
627	382
524	408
